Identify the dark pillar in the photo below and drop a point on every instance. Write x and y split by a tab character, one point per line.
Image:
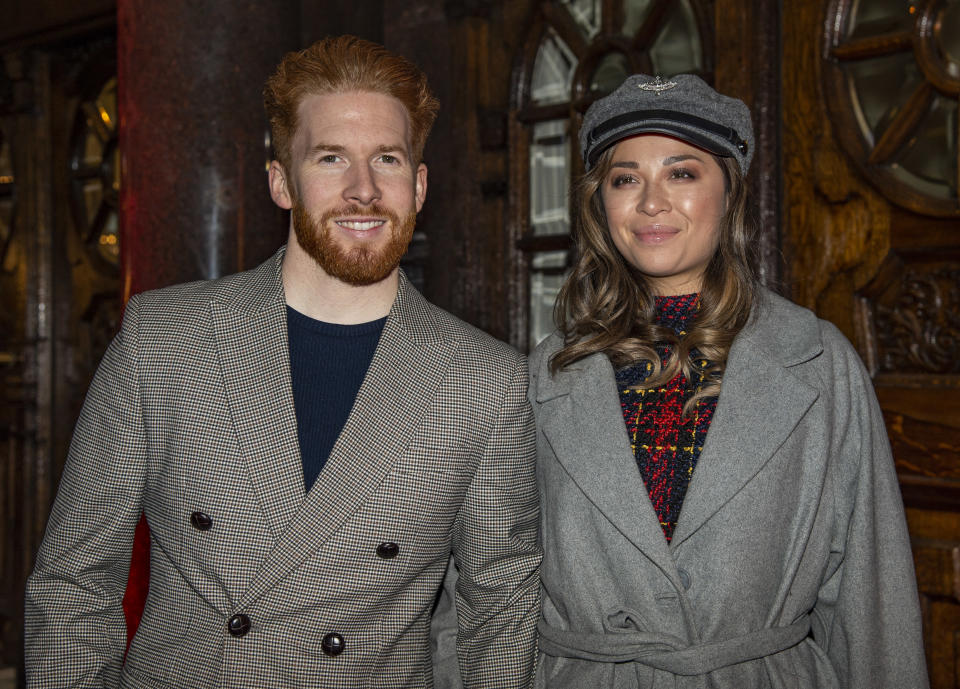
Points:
194	201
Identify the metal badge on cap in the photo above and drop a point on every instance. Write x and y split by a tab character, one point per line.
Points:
658	86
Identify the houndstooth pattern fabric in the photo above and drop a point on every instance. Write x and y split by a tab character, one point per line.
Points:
192	410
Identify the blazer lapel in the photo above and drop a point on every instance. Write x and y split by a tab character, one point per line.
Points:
760	403
582	419
251	338
407	367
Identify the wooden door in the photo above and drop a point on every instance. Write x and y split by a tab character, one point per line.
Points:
872	242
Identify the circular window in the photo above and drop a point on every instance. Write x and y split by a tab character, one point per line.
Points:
892	79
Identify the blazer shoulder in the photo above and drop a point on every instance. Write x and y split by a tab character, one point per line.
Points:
473	341
186	306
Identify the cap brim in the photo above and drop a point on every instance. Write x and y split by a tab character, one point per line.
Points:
676	131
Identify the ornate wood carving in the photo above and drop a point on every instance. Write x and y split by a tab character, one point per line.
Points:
911	318
920	333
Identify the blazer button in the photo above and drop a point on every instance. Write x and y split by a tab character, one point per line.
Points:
333	644
388	550
684	578
201	521
238	625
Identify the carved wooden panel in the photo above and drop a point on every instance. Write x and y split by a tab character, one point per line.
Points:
909	322
912	316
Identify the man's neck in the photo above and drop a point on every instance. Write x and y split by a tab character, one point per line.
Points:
314	293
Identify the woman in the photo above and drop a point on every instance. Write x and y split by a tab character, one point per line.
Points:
719	503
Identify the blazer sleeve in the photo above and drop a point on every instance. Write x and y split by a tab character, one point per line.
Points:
75	633
497	552
868	614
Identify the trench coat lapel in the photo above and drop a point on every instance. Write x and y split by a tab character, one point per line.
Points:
582	420
408	365
761	401
251	340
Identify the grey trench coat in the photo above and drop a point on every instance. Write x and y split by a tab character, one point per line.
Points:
790	565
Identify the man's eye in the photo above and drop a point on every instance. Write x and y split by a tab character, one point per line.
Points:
389	159
329	158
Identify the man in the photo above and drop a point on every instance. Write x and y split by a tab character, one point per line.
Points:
308	440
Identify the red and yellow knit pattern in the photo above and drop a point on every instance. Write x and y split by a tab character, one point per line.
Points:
665	444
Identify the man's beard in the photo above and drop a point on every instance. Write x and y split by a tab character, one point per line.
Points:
358	265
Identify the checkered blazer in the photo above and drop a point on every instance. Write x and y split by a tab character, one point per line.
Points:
192	411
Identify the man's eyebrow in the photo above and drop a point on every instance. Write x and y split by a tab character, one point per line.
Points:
340	150
327	148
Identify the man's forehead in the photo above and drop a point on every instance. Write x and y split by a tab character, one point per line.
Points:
353	112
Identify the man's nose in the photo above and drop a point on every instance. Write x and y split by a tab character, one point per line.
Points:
361	187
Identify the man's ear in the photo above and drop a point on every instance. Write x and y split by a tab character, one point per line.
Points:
280	190
420	189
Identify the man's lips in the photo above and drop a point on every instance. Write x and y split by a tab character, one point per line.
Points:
360	224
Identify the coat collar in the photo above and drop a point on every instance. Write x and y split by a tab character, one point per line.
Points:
760	403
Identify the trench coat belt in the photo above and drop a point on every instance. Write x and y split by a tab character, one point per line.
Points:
669	653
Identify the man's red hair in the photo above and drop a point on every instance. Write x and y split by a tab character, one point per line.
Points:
338	65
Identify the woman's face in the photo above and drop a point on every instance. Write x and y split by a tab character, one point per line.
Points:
664	199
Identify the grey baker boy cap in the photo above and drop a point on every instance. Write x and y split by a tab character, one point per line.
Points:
682	106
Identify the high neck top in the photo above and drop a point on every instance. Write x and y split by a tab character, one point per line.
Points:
677	312
666	444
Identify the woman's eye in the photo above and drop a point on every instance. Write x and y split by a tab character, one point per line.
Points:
620	180
681	173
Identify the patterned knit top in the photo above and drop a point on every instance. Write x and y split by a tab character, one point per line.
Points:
666	445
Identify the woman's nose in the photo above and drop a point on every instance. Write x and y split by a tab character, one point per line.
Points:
653	200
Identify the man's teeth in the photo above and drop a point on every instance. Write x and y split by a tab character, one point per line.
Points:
358	225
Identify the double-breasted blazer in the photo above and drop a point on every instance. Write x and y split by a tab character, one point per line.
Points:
790	566
191	413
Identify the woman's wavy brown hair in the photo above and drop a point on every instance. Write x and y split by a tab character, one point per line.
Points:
606	305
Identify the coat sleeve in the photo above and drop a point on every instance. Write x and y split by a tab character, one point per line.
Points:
75	633
868	616
497	552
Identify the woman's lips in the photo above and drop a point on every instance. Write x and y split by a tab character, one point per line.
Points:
655	234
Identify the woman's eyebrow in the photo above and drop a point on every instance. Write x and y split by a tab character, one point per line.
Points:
676	159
